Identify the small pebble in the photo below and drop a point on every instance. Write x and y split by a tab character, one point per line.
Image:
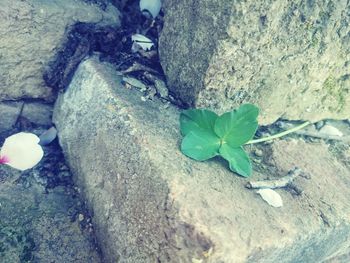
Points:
258	161
161	88
258	152
135	83
80	217
319	125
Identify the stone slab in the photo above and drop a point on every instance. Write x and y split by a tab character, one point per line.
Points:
150	203
35	113
31	32
291	58
38	113
9	112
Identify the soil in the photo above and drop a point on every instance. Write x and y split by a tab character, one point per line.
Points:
113	45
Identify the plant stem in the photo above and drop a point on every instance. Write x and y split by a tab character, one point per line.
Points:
269	138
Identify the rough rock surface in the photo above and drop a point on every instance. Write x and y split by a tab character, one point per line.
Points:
9	114
35	113
153	204
31	33
38	113
39	215
289	57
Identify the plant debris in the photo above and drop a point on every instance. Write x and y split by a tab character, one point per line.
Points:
275	183
271	197
131	48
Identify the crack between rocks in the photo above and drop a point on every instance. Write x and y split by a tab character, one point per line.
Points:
27	101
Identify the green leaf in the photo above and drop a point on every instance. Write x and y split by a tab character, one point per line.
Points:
192	120
238	126
200	145
238	159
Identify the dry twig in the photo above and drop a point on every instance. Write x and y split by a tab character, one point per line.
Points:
275	183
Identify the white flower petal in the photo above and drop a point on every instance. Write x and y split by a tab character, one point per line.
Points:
153	6
271	197
22	151
144	42
48	136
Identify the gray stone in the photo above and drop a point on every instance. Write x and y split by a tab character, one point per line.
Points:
319	125
152	204
291	58
9	112
31	32
38	113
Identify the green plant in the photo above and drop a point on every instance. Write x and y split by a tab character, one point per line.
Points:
207	135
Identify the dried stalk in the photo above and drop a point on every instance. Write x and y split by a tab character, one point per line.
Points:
275	183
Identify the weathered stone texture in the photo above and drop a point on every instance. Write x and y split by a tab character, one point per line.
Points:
9	113
292	58
153	204
33	112
37	113
39	224
30	34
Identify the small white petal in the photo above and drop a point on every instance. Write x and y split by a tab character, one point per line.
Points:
271	197
48	136
153	6
22	150
144	42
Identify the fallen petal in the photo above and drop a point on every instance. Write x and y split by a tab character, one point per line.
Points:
48	136
22	151
271	197
144	42
152	6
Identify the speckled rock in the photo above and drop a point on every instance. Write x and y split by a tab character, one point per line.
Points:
38	211
31	32
152	204
9	114
33	113
38	113
290	58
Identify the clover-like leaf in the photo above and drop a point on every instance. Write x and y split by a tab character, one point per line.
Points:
238	126
200	145
238	159
192	120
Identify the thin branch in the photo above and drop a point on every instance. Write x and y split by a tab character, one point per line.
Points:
276	183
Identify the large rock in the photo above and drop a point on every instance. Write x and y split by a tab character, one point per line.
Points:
153	204
289	57
31	32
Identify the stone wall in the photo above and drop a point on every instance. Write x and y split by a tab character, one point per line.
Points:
31	33
290	58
